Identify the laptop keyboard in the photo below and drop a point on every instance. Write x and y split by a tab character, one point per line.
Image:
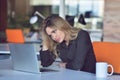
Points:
47	70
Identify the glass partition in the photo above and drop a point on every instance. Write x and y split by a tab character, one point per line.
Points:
92	11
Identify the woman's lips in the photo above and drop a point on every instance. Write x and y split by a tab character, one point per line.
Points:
57	40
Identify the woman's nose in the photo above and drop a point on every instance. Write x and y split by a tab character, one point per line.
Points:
54	36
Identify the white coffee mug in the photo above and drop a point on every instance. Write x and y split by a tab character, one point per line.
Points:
102	69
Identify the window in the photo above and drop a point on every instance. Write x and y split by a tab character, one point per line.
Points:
95	7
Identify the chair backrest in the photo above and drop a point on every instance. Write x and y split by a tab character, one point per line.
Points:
81	19
108	52
70	19
15	36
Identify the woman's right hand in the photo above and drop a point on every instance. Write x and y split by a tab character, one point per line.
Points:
62	65
44	46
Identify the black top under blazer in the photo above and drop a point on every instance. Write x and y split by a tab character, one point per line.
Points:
78	55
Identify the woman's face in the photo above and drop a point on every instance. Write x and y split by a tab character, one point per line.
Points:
56	34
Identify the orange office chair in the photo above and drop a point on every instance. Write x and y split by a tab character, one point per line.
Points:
108	52
15	36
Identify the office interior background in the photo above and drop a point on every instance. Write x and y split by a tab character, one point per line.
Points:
101	16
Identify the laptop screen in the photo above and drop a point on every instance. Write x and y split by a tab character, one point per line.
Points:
24	57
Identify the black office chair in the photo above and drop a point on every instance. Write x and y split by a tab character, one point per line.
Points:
88	14
81	19
70	19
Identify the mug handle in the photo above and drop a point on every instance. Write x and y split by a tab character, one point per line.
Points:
109	74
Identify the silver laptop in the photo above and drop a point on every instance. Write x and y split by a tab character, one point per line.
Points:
24	58
4	48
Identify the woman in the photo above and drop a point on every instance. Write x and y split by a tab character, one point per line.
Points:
71	44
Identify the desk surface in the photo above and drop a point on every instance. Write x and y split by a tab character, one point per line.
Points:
7	73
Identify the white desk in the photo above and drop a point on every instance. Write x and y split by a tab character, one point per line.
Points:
7	73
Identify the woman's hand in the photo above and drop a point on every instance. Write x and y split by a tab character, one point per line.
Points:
44	46
62	65
44	42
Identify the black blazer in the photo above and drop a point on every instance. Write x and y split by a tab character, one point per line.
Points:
78	55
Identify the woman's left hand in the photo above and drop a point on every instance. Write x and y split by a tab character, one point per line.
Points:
62	65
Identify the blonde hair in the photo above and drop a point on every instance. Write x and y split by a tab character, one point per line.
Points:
60	24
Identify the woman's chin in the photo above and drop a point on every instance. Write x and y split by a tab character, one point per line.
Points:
59	41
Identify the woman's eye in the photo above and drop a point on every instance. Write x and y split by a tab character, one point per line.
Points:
49	35
54	31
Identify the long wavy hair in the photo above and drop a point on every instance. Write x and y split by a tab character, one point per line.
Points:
59	23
